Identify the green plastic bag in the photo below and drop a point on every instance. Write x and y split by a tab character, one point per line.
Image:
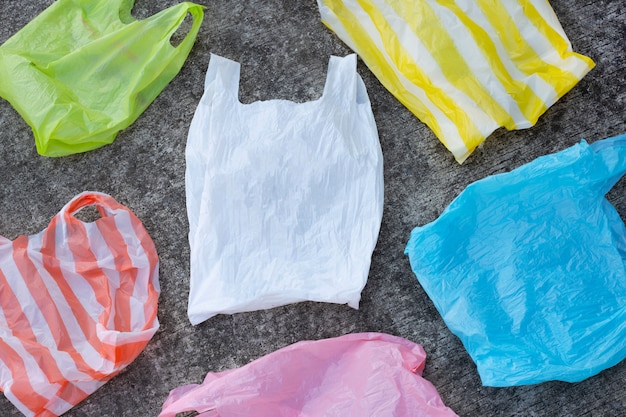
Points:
83	70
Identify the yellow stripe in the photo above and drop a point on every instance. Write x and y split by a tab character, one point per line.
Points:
379	66
525	58
529	103
560	44
469	132
427	26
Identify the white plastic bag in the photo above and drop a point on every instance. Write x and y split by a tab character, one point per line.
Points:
284	199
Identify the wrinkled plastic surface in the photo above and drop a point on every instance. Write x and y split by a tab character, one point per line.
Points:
527	267
78	303
83	70
463	67
356	375
284	199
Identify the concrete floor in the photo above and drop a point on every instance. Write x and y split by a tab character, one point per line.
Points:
284	48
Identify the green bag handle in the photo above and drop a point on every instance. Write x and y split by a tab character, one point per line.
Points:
93	68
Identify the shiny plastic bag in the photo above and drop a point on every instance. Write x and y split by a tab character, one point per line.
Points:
528	267
83	70
356	375
78	304
462	67
284	199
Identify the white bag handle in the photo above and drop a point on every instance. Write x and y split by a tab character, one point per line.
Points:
341	81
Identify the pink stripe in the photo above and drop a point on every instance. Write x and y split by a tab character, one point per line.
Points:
150	306
52	265
42	297
21	329
128	272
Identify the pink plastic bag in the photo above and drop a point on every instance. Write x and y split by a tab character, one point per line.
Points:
78	303
356	375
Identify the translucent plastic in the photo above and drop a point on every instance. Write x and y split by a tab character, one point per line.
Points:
79	303
284	199
462	67
356	375
83	70
528	267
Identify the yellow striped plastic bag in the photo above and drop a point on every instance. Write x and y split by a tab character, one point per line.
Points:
463	67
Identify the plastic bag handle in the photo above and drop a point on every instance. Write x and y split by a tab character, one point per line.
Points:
125	8
342	80
226	72
106	205
611	153
179	402
197	14
173	16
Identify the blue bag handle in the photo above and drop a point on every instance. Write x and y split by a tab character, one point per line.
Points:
611	159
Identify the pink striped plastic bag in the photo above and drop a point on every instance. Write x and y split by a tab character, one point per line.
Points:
78	303
356	375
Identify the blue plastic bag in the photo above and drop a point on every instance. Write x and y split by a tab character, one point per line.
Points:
527	267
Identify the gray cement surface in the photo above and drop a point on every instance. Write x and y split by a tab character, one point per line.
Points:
284	49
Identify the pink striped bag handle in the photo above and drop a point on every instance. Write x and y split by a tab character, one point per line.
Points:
79	303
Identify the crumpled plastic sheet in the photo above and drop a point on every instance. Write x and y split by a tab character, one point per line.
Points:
78	304
464	67
356	375
527	267
284	199
83	70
